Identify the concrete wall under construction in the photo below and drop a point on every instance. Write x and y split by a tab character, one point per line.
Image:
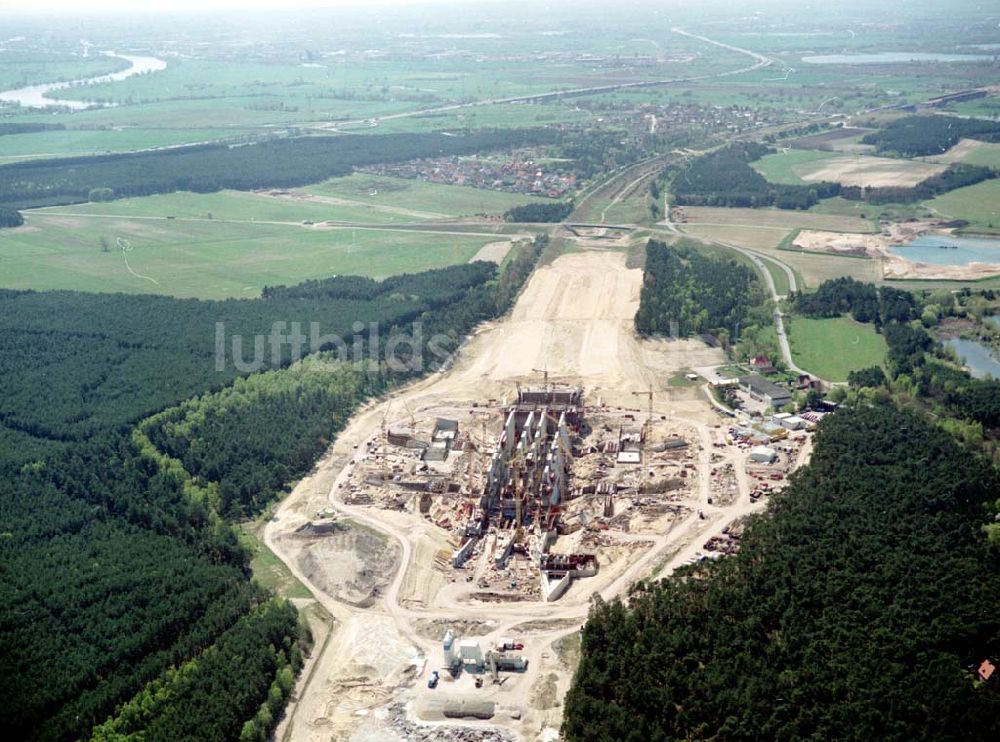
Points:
462	553
554	585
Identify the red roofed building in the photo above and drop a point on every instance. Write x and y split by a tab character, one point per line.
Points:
986	669
762	365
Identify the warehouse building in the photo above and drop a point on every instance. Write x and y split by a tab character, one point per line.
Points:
765	391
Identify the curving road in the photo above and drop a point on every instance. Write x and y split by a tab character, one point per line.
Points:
758	261
759	61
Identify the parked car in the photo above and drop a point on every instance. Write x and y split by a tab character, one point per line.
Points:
432	681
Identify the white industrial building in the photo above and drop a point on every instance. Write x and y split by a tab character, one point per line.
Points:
763	455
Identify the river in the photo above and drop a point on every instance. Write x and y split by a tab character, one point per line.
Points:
36	96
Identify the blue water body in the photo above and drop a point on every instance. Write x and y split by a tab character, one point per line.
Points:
893	58
980	360
959	251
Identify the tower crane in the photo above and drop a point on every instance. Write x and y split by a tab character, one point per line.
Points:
545	376
413	418
515	464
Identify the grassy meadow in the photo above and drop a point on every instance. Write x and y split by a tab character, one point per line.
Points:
978	204
832	348
790	165
209	258
434	199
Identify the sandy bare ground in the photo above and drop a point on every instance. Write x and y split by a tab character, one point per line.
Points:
335	201
962	150
841	243
493	252
780	221
575	319
892	265
868	171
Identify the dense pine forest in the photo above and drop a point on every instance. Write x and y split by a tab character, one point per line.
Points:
689	292
280	163
120	559
918	136
554	212
10	217
863	301
725	178
857	609
918	371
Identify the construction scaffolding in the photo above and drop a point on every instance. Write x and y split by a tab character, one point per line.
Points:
527	473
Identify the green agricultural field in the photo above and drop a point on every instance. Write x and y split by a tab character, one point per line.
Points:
18	71
765	230
973	152
832	348
60	143
789	166
987	153
501	115
978	204
244	206
433	199
210	259
843	207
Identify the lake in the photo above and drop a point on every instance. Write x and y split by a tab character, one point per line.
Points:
960	251
980	359
36	96
893	58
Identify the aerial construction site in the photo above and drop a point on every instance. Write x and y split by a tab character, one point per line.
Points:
457	531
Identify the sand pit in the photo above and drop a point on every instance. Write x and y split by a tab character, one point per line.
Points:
872	172
893	266
840	243
346	561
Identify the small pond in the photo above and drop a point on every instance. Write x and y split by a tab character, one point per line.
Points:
980	360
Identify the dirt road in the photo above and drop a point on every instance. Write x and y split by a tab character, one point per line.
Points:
575	318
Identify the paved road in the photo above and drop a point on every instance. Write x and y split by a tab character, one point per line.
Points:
759	61
779	320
